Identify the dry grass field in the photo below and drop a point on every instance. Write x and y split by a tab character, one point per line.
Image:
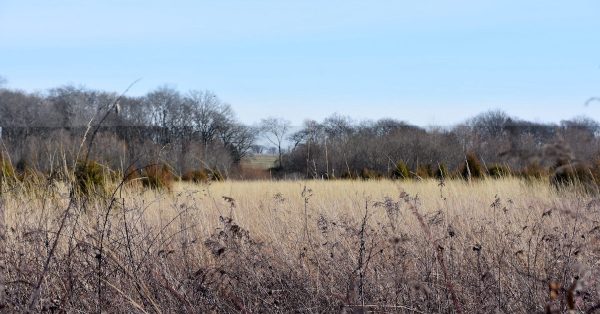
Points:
264	162
510	245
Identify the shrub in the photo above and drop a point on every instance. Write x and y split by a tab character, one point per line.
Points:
368	174
158	177
533	171
26	174
251	173
7	171
499	171
216	175
595	170
349	175
203	175
424	171
401	171
441	172
196	176
22	165
31	177
575	174
130	174
90	178
471	168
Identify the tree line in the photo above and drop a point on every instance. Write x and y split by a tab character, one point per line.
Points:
187	131
338	147
196	131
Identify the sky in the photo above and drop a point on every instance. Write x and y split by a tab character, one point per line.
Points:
425	62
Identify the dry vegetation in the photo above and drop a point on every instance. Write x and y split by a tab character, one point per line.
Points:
119	204
504	245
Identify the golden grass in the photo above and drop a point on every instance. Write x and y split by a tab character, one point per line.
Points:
258	203
322	244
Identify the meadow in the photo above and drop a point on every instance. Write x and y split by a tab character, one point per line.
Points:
505	245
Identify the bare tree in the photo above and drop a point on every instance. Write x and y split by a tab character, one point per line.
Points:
210	116
275	131
257	149
163	104
238	139
19	109
581	135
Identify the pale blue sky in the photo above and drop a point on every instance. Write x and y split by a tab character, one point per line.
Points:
427	62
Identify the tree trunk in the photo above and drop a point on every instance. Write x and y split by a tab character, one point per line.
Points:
280	163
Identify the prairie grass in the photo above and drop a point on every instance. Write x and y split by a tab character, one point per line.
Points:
504	245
